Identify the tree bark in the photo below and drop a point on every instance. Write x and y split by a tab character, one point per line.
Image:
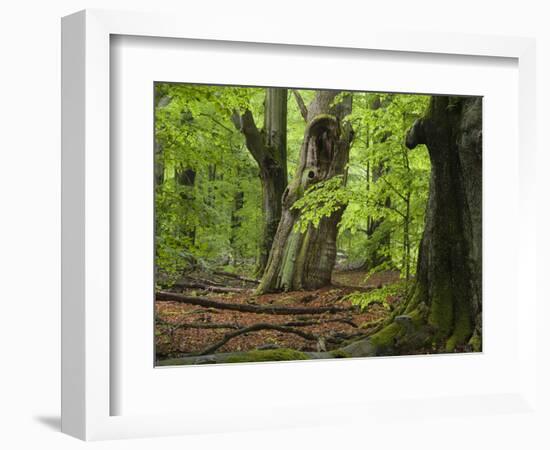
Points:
445	307
305	260
268	148
238	203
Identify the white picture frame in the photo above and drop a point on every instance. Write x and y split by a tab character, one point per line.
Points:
87	328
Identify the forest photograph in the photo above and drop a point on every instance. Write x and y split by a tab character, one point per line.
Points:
301	224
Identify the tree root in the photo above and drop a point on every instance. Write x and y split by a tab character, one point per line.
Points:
388	340
358	349
290	327
261	327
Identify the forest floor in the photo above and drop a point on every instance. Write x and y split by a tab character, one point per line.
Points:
184	327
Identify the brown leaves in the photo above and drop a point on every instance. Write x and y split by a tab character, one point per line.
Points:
183	328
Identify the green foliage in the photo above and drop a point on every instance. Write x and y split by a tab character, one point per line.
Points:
199	220
208	193
380	296
385	189
320	200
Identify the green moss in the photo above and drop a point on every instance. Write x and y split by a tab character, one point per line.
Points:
320	118
339	353
280	354
385	338
372	323
462	326
475	342
417	295
441	310
418	316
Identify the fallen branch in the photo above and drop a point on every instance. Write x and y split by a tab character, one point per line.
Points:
209	326
310	323
256	309
202	280
207	287
261	327
238	277
321	321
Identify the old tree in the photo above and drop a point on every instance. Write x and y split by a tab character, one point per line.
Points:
304	260
444	307
445	304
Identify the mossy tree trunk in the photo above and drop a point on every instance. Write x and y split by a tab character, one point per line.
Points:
305	260
445	307
268	148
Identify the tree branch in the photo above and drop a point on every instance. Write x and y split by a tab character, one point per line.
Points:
320	103
217	122
256	309
253	137
206	287
392	208
393	188
261	327
208	326
235	326
301	103
234	275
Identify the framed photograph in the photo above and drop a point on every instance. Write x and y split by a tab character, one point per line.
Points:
250	215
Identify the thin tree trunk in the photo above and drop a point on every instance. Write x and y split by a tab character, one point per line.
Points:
238	203
406	238
185	179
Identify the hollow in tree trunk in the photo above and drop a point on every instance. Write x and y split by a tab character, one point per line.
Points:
305	260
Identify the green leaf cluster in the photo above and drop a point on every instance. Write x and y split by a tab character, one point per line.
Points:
382	296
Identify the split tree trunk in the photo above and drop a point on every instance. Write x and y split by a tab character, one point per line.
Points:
268	148
305	260
445	307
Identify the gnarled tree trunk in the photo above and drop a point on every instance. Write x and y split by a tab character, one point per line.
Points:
268	148
445	306
305	260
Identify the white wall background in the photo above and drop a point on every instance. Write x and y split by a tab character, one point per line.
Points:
30	196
